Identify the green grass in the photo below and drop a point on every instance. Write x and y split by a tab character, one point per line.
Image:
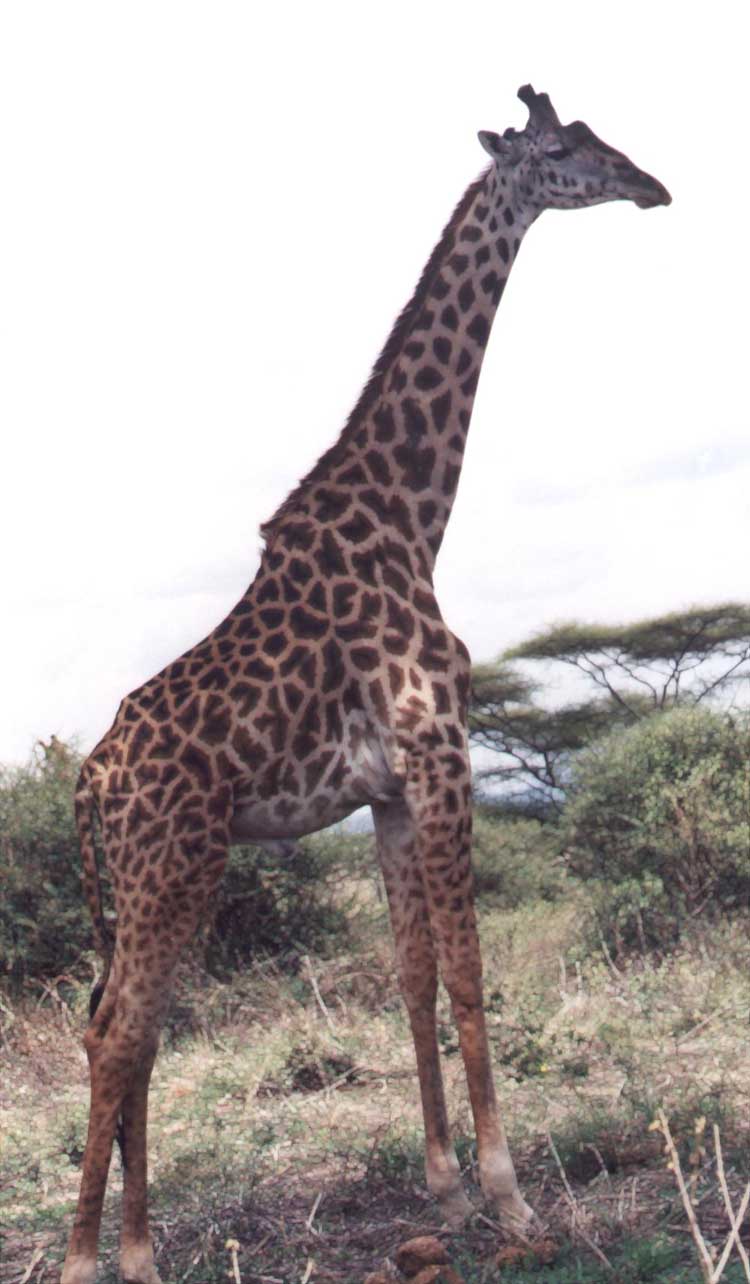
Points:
656	1261
260	1106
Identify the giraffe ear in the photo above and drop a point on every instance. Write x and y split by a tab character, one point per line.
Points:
497	145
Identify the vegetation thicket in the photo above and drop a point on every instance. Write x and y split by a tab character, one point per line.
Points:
45	925
657	817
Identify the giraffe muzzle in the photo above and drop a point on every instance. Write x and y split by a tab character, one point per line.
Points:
648	192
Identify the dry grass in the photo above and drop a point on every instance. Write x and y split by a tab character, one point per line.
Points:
285	1114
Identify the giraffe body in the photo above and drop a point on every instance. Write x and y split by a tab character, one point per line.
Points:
333	683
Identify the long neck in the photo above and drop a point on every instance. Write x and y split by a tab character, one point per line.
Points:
401	451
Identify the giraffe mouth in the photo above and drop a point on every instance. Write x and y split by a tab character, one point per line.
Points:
648	192
649	202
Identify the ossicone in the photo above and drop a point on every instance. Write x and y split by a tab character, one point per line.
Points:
541	111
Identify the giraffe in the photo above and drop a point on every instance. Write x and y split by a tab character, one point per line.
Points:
334	682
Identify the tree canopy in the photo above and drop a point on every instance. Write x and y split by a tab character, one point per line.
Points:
629	672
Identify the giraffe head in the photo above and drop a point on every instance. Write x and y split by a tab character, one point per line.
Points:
554	166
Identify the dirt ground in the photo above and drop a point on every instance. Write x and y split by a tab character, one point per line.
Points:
288	1121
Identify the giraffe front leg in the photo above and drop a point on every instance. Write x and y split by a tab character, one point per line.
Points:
442	1169
439	799
417	970
496	1172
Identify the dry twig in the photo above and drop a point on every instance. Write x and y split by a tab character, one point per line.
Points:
575	1210
711	1269
734	1222
233	1246
704	1256
36	1256
318	996
616	973
313	1211
688	1034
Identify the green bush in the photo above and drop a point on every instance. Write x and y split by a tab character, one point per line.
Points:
274	902
268	903
515	861
658	815
44	923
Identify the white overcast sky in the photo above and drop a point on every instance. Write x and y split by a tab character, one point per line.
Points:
211	215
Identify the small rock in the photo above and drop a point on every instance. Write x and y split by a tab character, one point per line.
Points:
540	1250
437	1275
414	1254
546	1250
512	1254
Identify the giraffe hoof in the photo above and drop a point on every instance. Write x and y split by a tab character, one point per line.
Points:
78	1270
456	1208
137	1265
517	1218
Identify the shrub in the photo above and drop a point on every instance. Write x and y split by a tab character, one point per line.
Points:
659	817
274	902
44	922
515	861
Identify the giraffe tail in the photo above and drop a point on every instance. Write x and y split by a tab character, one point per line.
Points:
84	813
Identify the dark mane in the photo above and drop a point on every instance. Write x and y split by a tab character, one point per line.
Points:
393	345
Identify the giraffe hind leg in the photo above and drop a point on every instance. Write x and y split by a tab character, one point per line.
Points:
104	1111
95	999
121	1043
136	1250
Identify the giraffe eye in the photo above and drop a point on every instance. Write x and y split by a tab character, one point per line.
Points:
558	153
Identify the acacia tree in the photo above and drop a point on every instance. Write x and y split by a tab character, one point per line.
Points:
629	672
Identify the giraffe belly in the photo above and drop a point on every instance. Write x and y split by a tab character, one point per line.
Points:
257	823
361	771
